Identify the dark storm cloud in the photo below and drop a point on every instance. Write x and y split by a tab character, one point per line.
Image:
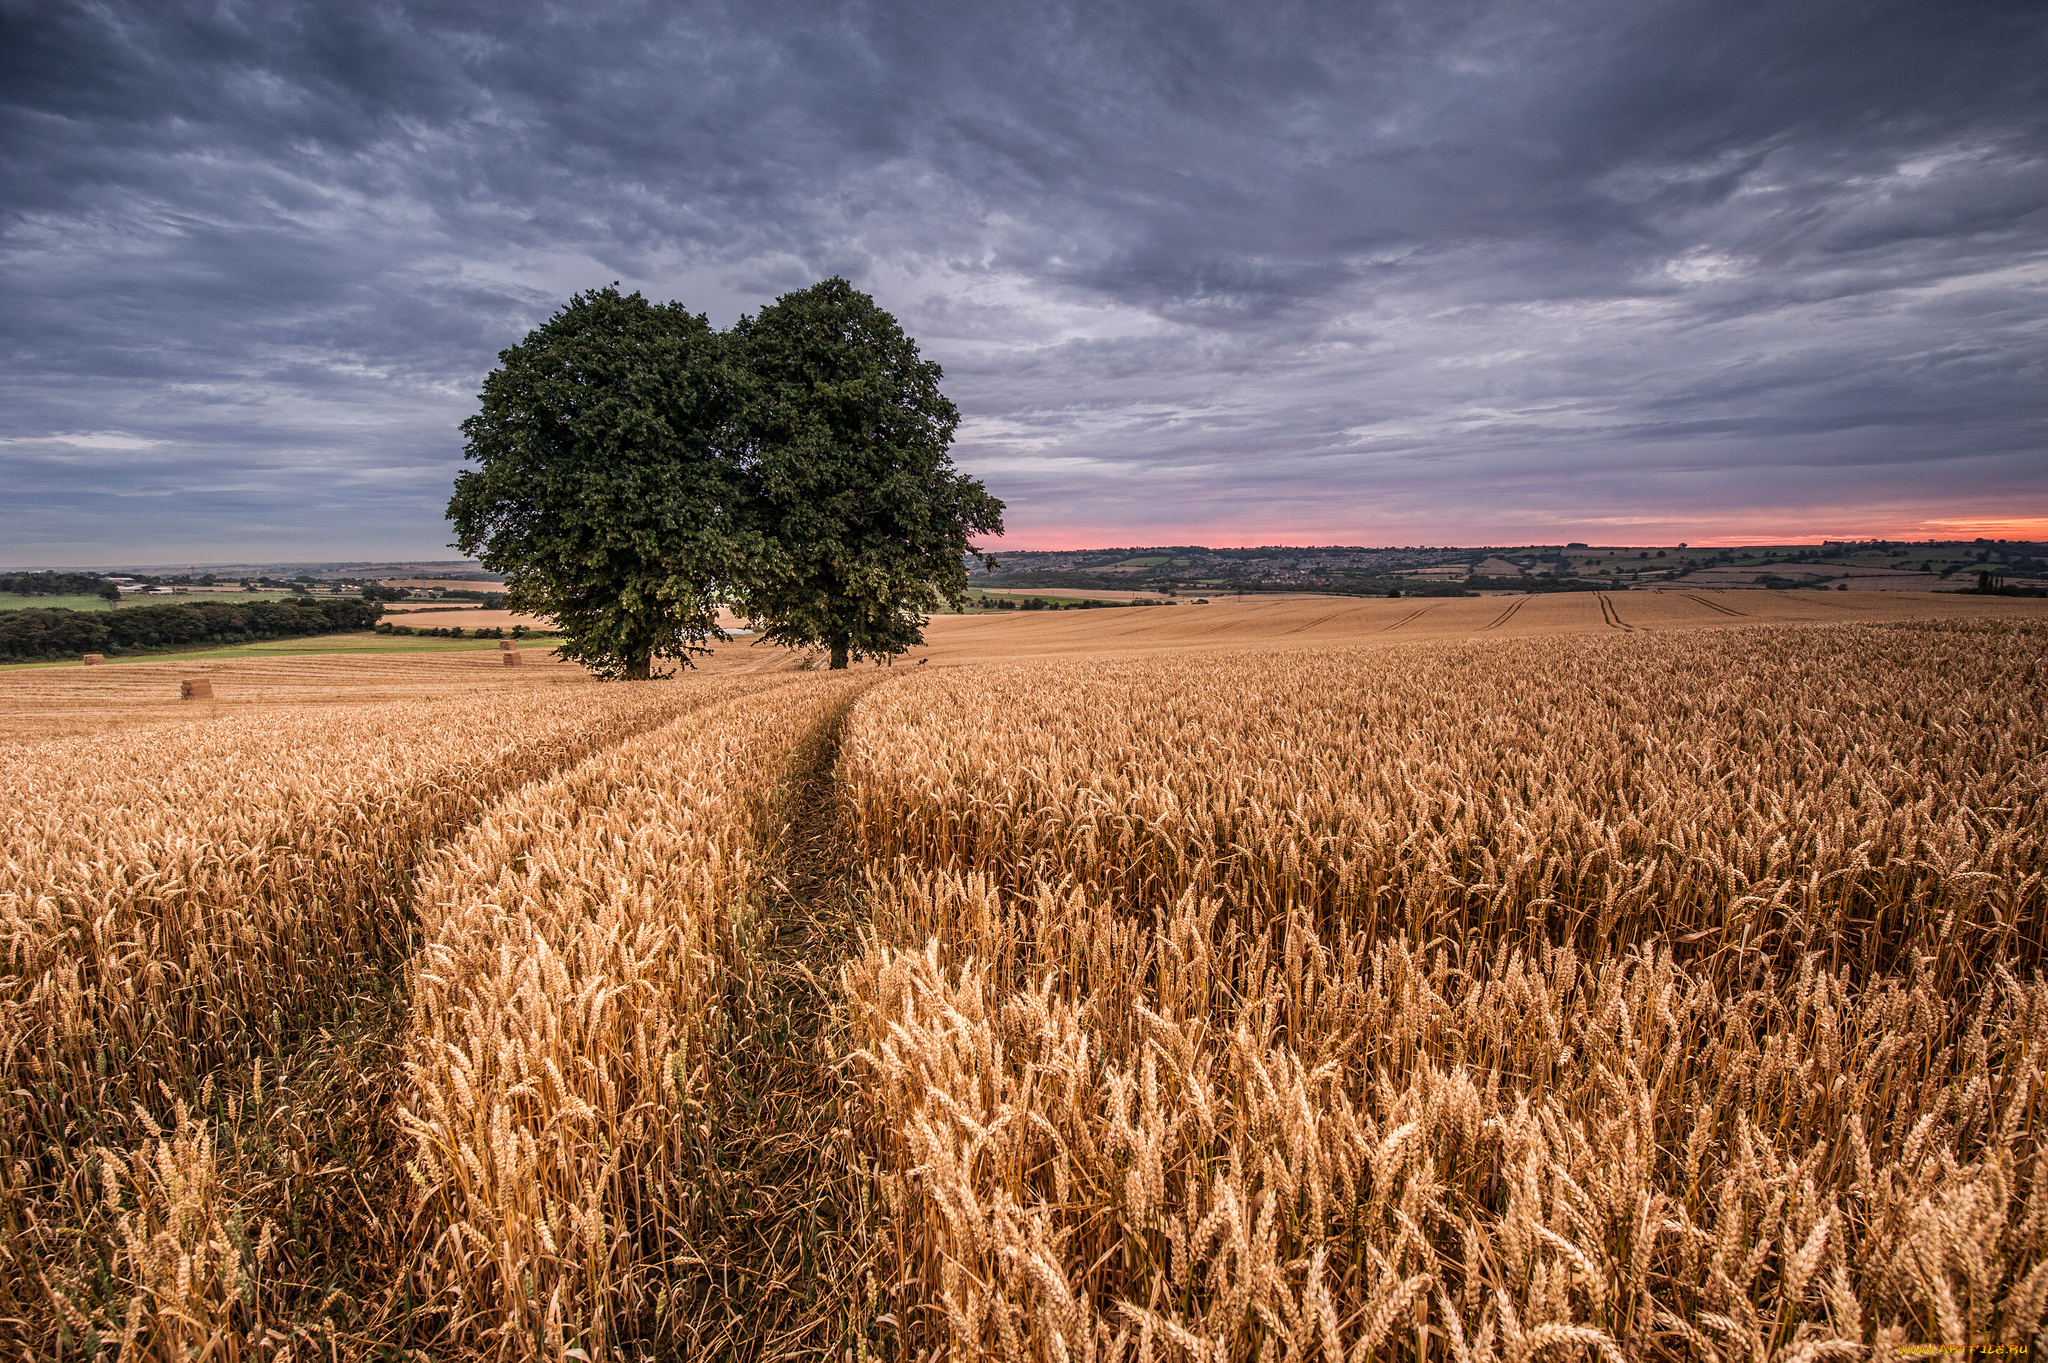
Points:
1376	271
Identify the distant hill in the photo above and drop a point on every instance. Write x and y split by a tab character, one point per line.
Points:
1860	565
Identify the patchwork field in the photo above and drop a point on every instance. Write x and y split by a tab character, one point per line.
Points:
1283	621
1611	976
13	601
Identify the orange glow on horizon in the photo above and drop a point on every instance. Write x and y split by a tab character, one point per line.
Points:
1617	532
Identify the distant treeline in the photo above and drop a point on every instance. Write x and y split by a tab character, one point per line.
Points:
40	633
1993	584
458	632
51	584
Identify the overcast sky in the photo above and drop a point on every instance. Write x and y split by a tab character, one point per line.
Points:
1423	273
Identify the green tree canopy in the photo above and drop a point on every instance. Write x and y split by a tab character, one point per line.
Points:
848	478
602	491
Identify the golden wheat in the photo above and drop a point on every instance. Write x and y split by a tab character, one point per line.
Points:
1669	1000
1775	785
165	907
172	913
1638	997
589	953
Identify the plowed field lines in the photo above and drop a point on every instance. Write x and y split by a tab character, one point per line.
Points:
1505	615
1411	615
1714	605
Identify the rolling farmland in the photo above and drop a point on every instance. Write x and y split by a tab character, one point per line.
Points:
1607	975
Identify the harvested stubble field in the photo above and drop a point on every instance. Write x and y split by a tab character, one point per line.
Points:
40	701
1634	992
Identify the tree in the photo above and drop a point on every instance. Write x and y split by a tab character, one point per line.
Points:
849	480
602	491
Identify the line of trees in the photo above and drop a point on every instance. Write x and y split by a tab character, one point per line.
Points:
458	632
1994	584
38	633
58	584
638	471
1036	603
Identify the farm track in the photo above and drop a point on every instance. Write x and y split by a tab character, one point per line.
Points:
372	1053
1715	605
1505	615
1316	623
1611	615
784	1273
1410	616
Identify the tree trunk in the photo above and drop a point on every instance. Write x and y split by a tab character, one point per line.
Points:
840	643
640	668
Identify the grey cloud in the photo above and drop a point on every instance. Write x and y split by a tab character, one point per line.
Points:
1267	271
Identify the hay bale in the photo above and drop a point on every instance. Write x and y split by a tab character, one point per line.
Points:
95	660
195	688
511	657
506	646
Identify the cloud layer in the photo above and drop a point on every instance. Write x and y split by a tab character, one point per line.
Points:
1409	273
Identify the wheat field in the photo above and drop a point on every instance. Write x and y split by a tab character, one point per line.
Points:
1659	990
1509	1000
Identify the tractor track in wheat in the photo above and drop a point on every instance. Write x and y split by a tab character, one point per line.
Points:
1714	605
1410	617
778	1278
1505	615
